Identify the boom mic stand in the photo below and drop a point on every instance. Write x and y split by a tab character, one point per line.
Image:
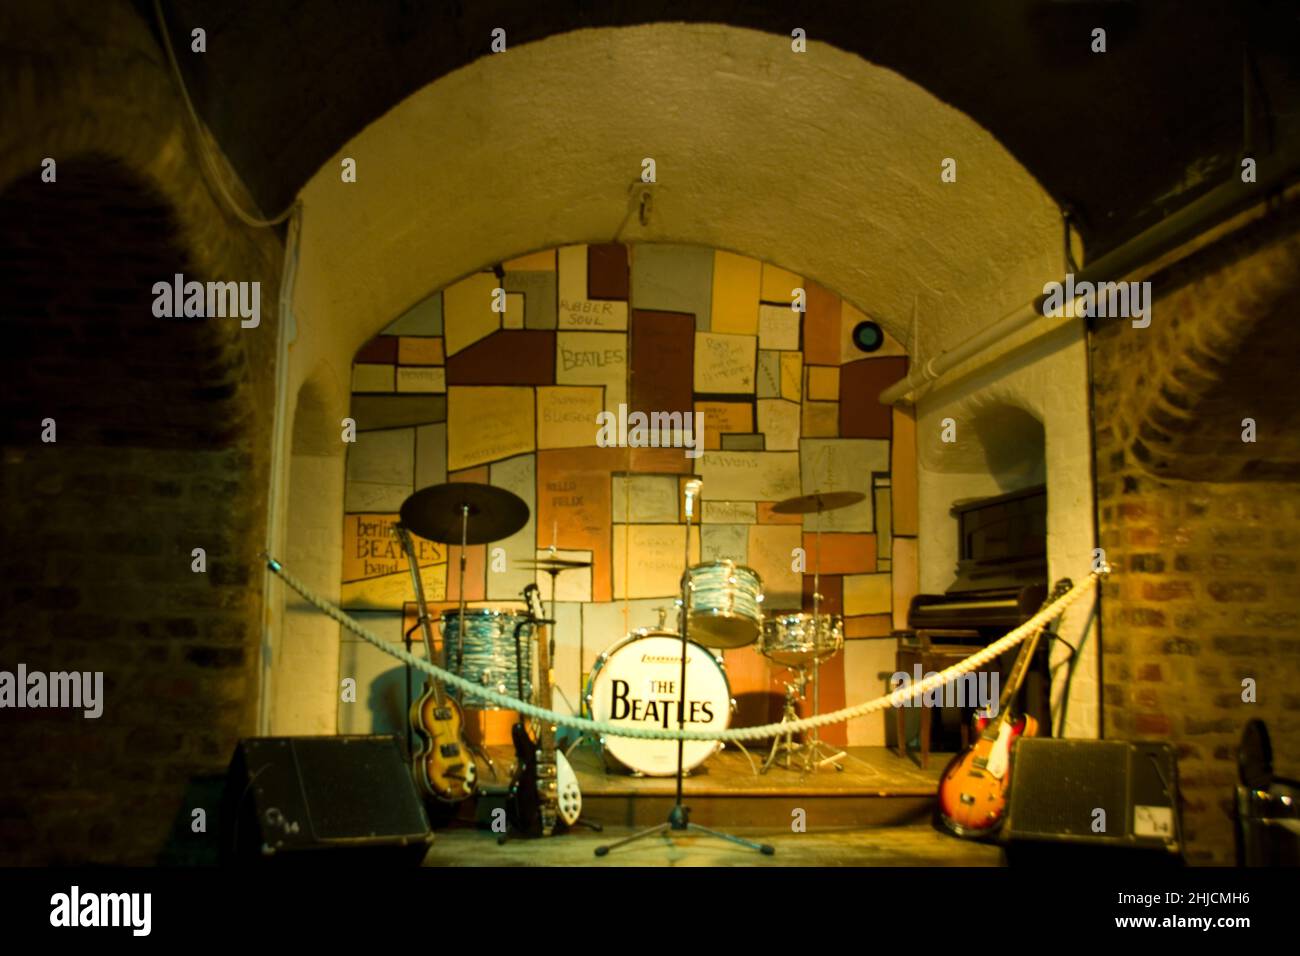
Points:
679	815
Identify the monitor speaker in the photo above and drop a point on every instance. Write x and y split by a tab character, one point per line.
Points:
1092	795
316	800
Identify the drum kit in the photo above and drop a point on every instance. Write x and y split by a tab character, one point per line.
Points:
639	679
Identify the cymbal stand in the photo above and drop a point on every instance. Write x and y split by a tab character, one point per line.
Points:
679	815
814	748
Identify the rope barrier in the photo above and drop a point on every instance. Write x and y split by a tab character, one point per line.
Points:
896	699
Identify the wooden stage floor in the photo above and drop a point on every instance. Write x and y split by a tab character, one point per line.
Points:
877	812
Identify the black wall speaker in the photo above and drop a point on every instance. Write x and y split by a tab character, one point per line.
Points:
868	336
1095	793
343	799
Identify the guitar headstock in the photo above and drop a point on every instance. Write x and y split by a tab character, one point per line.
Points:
1059	590
533	598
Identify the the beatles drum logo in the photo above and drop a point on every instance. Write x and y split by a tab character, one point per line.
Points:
652	710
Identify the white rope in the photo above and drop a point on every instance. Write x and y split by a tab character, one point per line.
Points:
896	699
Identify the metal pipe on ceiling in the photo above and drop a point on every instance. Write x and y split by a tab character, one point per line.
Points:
1175	229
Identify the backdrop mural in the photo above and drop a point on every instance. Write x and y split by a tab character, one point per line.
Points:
505	387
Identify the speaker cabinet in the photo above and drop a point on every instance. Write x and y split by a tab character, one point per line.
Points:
343	799
1095	793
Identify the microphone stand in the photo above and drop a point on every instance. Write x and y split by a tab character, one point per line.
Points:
679	815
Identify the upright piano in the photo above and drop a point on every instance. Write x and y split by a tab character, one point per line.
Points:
1001	582
1001	567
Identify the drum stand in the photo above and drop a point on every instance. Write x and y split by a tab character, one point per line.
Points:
815	753
679	815
814	746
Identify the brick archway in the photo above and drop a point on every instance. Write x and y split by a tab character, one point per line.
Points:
162	447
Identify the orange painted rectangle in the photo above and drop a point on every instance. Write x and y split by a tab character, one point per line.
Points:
841	552
732	418
868	625
902	471
821	327
574	499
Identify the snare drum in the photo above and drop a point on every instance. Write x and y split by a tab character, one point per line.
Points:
488	656
635	684
790	639
724	604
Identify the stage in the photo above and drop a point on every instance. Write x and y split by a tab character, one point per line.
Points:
876	812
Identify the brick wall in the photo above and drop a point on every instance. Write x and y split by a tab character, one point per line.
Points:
162	447
1205	592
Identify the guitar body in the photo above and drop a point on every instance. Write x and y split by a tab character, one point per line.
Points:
443	770
974	786
568	793
973	789
545	789
525	804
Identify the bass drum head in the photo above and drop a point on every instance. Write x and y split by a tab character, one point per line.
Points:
635	684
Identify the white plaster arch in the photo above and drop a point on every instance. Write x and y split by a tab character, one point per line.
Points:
819	162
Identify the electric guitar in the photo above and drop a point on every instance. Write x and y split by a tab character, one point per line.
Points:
974	786
443	768
544	789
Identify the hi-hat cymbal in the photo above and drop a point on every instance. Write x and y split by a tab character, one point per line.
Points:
435	512
818	501
548	564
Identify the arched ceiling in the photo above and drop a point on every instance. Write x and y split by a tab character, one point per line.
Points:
1121	138
824	164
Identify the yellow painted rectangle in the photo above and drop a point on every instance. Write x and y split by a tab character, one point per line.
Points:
867	594
778	284
791	376
419	351
736	282
533	262
487	423
467	313
823	383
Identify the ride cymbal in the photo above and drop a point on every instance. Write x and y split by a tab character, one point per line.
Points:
435	512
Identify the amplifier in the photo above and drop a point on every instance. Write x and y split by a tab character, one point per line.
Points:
316	800
1102	793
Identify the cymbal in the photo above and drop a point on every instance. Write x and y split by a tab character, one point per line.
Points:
435	512
818	501
547	564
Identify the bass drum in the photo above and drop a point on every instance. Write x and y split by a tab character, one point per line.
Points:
635	684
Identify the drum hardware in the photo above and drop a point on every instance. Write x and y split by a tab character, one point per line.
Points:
679	816
441	513
824	643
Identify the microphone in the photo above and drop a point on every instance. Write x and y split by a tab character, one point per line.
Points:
692	491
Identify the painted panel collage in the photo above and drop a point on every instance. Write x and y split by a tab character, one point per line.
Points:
456	389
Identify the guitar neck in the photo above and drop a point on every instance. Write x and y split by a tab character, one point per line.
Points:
1024	660
546	733
421	606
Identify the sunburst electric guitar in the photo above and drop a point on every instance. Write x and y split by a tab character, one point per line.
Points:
973	789
545	788
443	767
